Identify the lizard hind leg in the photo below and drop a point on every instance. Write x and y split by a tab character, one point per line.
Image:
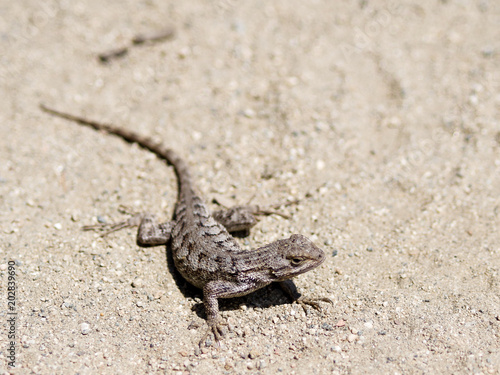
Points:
107	228
151	233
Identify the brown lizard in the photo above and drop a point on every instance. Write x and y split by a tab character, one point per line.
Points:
204	252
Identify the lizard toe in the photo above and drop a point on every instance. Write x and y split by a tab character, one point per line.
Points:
313	302
216	329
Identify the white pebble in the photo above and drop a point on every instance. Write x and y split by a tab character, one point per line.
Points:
85	328
352	337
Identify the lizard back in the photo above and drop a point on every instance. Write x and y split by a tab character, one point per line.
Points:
200	245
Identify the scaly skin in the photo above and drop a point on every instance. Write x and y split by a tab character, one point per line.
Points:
204	252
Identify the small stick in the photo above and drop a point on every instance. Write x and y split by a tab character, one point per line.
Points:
156	36
112	54
152	37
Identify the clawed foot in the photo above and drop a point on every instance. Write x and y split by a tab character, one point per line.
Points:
312	302
108	228
273	210
215	329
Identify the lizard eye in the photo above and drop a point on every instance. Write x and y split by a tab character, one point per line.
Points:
296	261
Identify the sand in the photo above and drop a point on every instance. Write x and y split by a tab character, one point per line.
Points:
381	117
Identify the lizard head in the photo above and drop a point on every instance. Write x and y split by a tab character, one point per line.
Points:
294	256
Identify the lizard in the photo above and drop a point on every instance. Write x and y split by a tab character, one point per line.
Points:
203	250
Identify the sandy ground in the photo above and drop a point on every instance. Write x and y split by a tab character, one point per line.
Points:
382	117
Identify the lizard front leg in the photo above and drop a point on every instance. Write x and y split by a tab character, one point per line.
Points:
223	289
151	233
212	310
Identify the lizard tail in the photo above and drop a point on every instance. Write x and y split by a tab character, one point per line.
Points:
157	148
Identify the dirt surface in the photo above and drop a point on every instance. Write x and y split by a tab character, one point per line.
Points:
382	117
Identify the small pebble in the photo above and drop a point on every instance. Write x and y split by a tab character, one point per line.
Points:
488	52
327	327
254	353
249	113
352	337
261	364
184	52
85	328
137	283
320	164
